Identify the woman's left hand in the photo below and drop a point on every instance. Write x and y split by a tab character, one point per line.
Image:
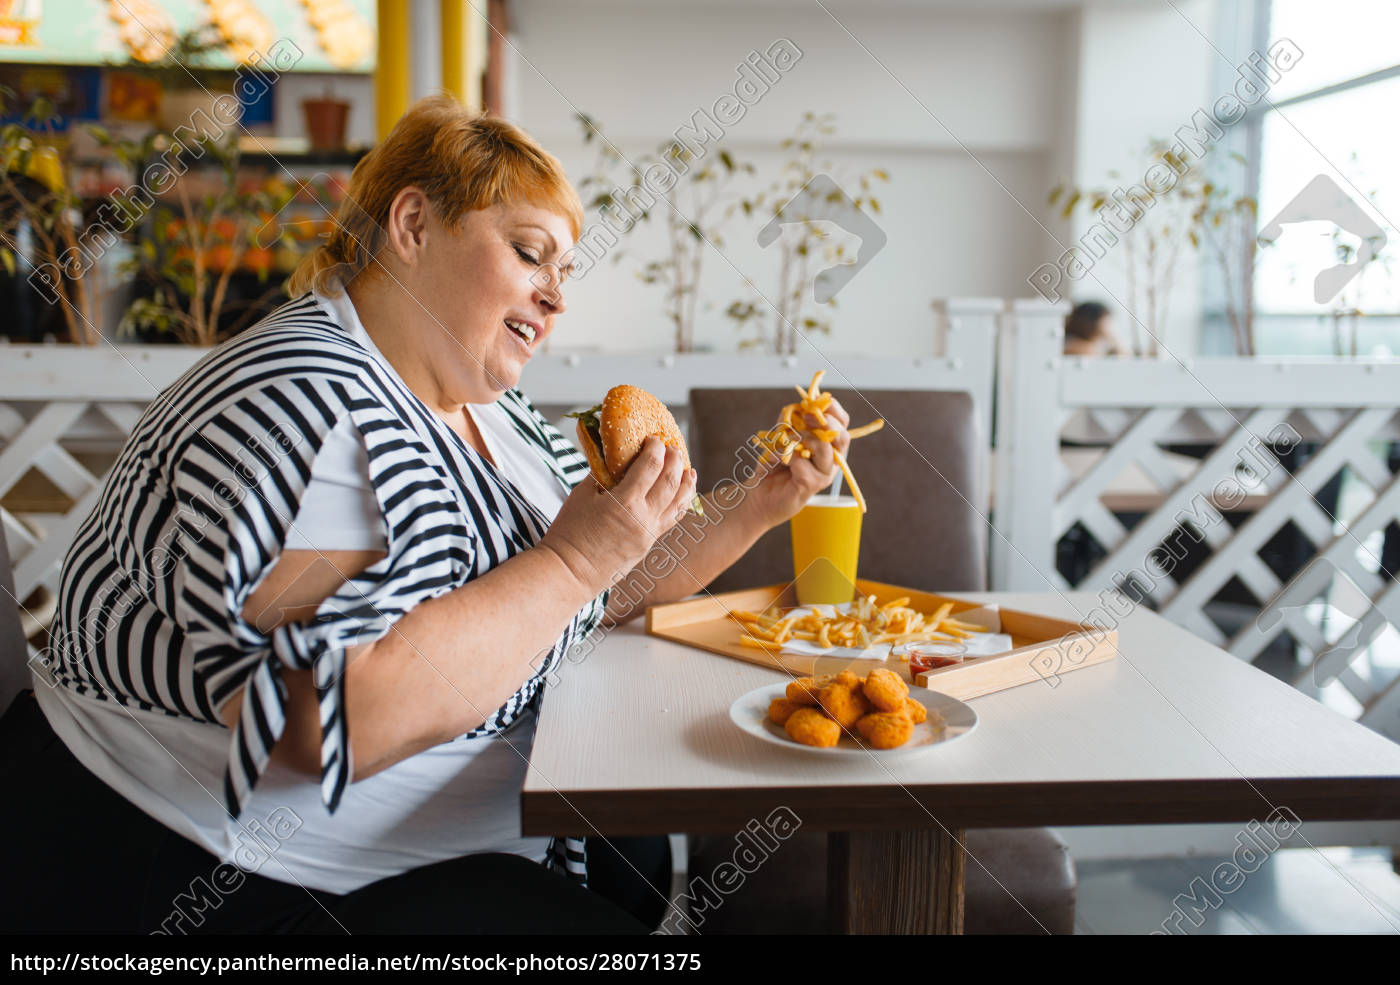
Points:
786	488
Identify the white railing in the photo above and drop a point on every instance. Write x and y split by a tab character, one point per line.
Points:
1090	449
65	411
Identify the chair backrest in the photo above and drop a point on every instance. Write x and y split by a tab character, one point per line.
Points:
922	476
14	654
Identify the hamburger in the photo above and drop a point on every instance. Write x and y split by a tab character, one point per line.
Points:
611	434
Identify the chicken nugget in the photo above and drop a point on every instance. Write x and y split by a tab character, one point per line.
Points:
844	703
848	678
917	713
803	690
885	729
781	709
811	728
886	689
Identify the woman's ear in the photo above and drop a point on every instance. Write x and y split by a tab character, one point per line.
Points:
408	224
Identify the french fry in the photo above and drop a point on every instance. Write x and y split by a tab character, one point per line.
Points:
778	443
868	623
865	429
855	486
967	626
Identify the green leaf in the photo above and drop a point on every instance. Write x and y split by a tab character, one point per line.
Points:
42	111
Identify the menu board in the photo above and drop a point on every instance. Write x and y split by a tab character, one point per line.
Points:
329	35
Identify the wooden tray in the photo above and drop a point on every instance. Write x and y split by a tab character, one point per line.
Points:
1045	647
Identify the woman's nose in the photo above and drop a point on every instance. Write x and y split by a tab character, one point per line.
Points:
548	283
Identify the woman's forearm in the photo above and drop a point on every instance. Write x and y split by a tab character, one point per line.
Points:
691	555
455	659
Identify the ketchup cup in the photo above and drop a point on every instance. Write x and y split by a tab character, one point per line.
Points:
931	655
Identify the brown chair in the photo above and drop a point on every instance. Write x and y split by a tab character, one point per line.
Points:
922	476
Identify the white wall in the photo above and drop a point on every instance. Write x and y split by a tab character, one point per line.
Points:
976	110
995	81
1143	70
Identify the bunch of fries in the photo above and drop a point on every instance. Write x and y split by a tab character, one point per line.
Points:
867	624
780	442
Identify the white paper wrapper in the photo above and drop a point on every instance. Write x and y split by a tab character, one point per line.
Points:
978	645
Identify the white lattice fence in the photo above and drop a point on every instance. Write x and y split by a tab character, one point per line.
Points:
1243	499
65	412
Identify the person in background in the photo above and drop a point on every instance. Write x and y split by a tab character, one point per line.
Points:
1089	331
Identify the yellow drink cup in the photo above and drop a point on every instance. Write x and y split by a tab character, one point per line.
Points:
825	548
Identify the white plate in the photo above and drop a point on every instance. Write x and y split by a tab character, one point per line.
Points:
750	713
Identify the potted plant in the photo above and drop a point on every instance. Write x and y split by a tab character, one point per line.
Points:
326	120
1195	213
797	251
212	224
39	218
184	71
691	208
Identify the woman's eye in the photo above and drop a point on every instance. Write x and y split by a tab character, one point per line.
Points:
526	256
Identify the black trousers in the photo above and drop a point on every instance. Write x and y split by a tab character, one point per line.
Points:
80	858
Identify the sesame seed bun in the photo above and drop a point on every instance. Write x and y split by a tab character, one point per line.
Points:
629	416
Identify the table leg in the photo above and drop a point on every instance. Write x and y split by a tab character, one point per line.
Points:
895	882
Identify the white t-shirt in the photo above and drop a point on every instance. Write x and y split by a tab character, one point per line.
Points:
339	512
457	798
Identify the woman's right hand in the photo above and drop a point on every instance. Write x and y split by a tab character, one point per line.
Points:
601	534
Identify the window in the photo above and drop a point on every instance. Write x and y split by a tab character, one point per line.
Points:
1336	113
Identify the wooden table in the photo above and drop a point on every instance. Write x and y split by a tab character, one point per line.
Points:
637	740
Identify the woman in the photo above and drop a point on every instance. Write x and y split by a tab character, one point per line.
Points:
307	625
1089	331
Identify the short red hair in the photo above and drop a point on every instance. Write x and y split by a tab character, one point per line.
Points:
461	161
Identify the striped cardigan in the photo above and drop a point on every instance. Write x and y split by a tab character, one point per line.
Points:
196	510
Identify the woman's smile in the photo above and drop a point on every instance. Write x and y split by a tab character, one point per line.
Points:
526	331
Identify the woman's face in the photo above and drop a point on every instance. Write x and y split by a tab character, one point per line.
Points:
492	288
